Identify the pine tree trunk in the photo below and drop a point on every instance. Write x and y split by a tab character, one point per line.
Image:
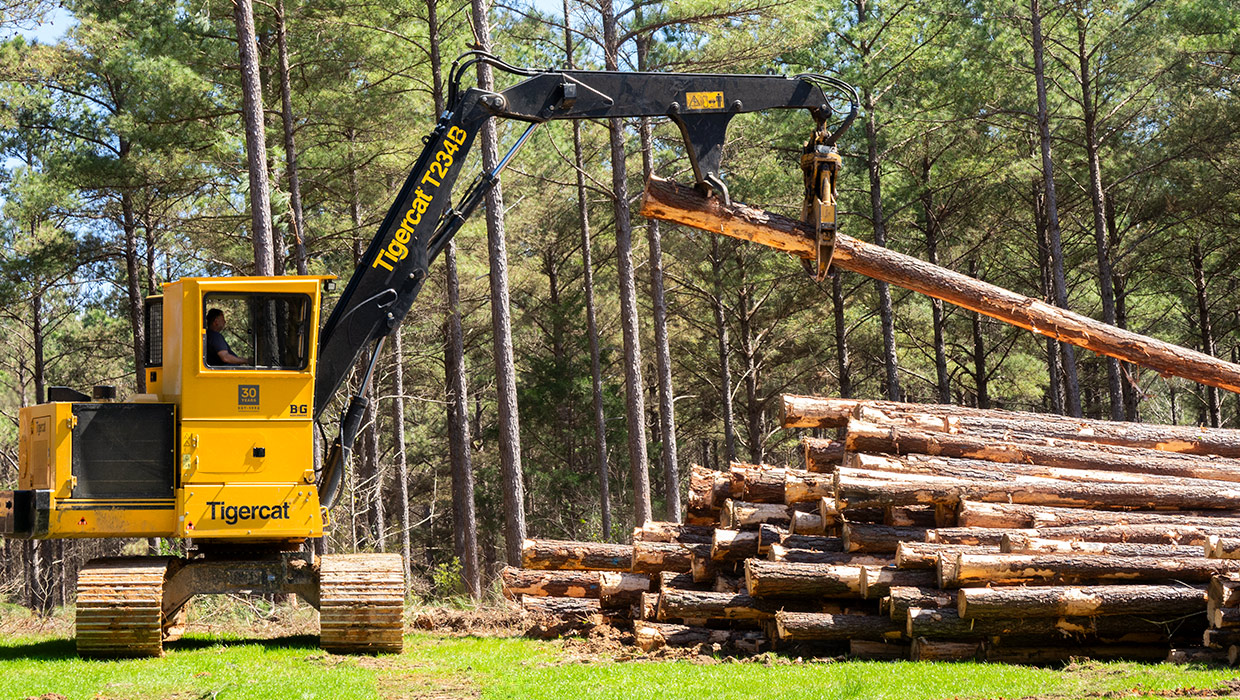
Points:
255	139
1072	388
501	324
290	147
133	290
942	378
843	363
663	356
1053	369
753	407
635	409
398	436
465	525
885	311
721	334
980	374
1205	328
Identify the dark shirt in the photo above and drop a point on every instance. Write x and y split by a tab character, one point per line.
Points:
215	345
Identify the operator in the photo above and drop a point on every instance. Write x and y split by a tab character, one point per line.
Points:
218	353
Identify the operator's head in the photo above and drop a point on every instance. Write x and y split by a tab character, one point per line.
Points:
215	320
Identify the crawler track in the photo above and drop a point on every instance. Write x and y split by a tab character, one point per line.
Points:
361	603
120	606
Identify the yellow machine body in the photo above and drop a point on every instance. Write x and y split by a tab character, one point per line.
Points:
210	452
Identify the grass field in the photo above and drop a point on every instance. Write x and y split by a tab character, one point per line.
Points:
229	663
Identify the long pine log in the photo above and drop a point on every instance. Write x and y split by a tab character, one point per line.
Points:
580	556
1015	569
1080	601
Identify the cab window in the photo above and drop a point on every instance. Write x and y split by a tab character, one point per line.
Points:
256	331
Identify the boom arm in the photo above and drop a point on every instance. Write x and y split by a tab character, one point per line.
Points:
422	220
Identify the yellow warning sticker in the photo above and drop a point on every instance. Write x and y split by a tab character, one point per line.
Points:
704	100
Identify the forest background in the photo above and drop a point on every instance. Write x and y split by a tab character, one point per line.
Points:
1082	152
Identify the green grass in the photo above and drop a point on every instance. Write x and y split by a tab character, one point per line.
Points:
230	666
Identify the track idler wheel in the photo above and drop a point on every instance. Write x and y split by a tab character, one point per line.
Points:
120	607
361	603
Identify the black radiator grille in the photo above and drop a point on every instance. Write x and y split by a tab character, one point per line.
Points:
123	450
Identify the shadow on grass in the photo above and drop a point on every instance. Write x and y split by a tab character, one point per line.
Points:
46	650
307	642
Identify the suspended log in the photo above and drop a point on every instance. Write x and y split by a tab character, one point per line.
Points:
946	623
651	636
815	556
878	582
821	455
563	584
795	626
656	557
1048	458
868	538
806	524
672	532
1197	655
737	515
924	489
768	535
1012	569
1009	426
564	555
805	486
940	650
617	589
768	579
901	598
757	483
734	545
1077	601
681	580
866	650
924	555
1012	515
1024	544
726	606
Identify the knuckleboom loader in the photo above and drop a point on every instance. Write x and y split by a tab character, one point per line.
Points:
224	455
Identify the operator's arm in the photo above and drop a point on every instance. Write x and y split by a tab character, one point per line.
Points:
228	358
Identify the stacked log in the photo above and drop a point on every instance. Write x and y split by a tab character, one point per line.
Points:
932	532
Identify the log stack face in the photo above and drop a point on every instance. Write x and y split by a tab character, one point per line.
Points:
934	532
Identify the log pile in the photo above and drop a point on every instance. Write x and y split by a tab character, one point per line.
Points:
934	532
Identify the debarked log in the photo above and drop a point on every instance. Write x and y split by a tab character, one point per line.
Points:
617	588
1080	601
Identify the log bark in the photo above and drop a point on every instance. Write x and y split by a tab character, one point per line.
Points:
1014	569
818	542
821	455
617	589
757	483
924	555
734	545
708	489
726	606
794	626
869	538
902	598
561	607
659	531
1055	454
579	556
563	584
974	514
682	581
939	650
864	492
727	583
919	516
1010	426
1222	546
657	557
1023	544
807	524
767	579
1077	601
741	514
971	536
805	486
946	623
814	556
769	535
866	650
1220	639
671	202
651	636
878	582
